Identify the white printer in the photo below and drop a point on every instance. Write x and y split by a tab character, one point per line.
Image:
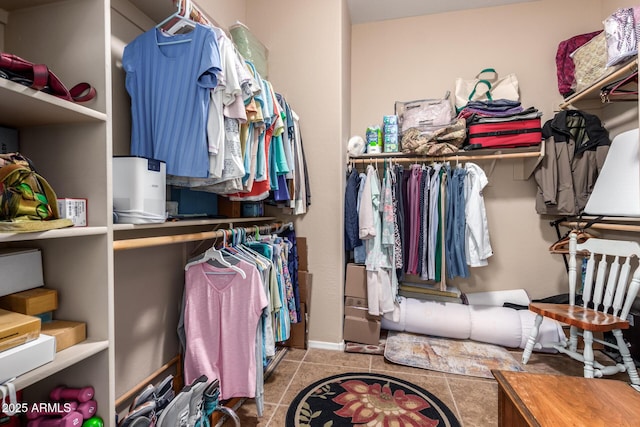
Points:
139	190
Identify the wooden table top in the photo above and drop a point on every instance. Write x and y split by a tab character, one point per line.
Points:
560	400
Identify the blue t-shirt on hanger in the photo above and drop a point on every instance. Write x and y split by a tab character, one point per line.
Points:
169	78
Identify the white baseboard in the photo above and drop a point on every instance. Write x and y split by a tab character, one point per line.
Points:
322	345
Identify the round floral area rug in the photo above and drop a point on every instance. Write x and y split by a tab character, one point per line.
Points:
362	399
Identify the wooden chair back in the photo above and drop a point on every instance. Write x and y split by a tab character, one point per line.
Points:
611	278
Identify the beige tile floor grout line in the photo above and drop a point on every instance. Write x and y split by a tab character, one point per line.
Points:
287	387
455	402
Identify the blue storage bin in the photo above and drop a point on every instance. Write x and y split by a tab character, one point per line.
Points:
195	203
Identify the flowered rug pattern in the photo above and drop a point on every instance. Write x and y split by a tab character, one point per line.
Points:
365	399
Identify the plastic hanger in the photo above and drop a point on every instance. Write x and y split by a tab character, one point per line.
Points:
615	91
234	249
242	251
174	15
213	254
183	22
246	249
280	230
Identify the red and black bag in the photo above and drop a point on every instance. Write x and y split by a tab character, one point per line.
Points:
493	132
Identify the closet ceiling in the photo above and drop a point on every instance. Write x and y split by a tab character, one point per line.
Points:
157	10
363	11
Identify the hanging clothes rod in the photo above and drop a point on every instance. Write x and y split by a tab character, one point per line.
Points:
458	157
602	226
145	242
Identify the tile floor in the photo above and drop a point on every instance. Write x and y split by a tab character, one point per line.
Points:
473	400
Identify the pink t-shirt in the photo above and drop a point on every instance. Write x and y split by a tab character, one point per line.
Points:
221	316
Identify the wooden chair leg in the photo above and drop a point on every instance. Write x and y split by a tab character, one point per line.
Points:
531	342
626	357
588	354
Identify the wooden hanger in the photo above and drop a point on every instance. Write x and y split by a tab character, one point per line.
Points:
562	245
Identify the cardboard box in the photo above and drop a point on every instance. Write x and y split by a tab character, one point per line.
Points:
228	208
357	307
356	302
389	120
26	357
17	329
364	331
65	332
31	302
21	270
355	284
390	143
303	262
304	287
359	312
75	210
299	331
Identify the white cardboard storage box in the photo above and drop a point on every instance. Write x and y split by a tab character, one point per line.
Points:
75	210
21	270
26	357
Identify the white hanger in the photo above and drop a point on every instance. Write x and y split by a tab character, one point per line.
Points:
212	254
282	228
239	255
173	15
183	21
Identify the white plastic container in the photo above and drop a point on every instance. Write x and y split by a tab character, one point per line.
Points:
139	190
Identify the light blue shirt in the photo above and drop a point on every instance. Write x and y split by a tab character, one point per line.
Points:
169	86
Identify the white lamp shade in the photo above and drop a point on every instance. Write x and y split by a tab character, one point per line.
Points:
617	189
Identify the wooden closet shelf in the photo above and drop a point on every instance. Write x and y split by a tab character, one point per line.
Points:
53	234
23	106
62	360
191	223
593	91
